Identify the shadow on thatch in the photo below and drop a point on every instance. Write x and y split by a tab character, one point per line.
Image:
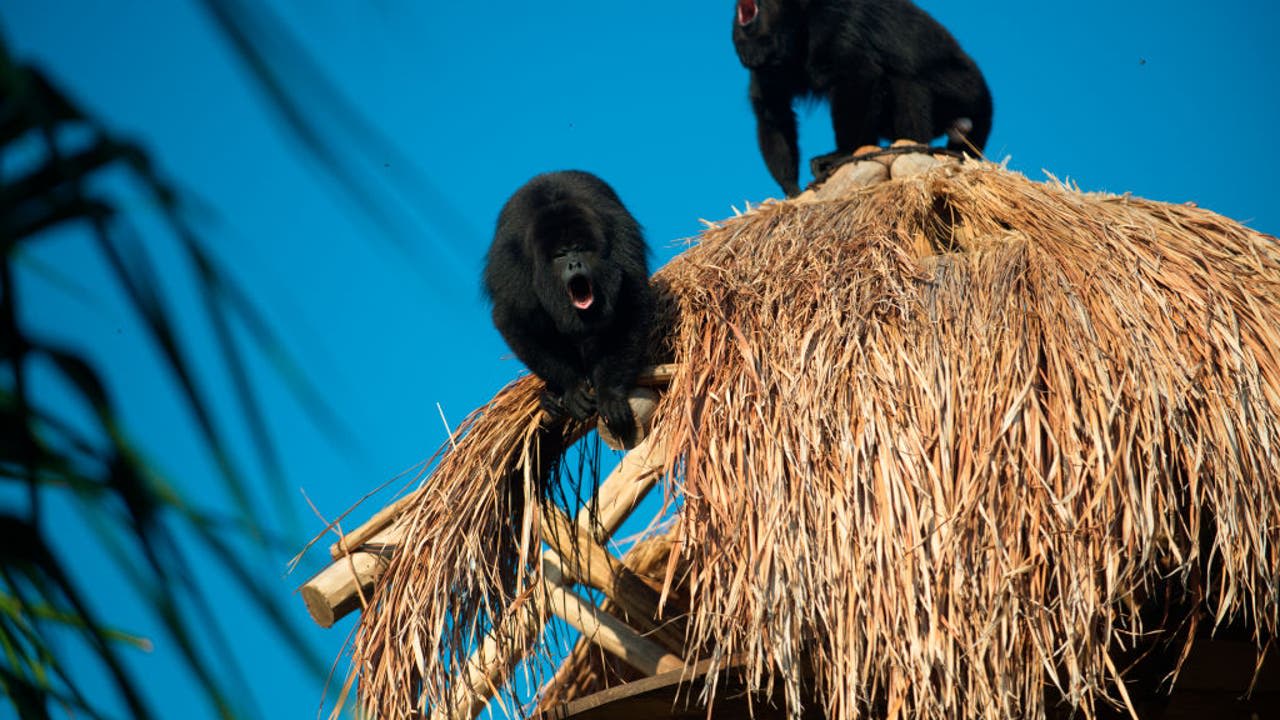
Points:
943	442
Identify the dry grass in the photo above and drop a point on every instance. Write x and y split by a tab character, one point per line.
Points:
468	555
937	442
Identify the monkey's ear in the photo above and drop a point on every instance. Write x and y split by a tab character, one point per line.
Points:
748	11
532	246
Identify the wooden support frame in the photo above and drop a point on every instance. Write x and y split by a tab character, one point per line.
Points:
601	628
618	496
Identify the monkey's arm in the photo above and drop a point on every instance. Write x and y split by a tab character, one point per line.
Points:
776	128
554	359
567	386
617	357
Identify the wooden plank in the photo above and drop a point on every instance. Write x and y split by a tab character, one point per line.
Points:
674	696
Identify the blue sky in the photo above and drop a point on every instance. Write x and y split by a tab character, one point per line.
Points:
1173	100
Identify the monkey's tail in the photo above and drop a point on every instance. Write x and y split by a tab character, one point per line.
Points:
959	137
959	130
969	133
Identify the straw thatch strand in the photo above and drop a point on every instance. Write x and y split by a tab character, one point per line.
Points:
953	445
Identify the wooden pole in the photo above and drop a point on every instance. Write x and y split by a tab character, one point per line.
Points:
362	556
655	376
352	541
489	665
345	584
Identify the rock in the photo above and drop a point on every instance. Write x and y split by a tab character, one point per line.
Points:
853	176
913	164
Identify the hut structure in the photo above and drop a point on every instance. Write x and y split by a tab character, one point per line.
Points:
938	442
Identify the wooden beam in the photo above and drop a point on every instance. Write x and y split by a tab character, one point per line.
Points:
675	696
362	555
657	376
489	665
618	495
654	376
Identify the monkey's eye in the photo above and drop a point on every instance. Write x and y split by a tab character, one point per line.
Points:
747	12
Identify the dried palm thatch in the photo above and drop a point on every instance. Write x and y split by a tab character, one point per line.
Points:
939	441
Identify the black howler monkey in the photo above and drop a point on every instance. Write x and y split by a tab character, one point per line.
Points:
568	276
887	68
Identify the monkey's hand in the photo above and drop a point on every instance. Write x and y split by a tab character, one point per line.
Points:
552	404
580	402
616	413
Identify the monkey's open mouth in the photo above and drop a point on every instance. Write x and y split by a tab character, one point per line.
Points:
747	11
580	292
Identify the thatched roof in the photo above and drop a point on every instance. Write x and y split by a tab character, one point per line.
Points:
938	444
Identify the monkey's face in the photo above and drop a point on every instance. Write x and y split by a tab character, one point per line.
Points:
767	33
582	285
576	281
573	265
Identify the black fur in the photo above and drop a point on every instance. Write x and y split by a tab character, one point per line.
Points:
564	234
887	68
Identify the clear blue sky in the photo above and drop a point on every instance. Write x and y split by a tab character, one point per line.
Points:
1174	100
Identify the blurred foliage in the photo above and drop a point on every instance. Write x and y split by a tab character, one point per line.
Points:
134	512
130	508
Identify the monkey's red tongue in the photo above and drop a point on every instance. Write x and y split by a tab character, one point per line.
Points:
580	293
747	11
